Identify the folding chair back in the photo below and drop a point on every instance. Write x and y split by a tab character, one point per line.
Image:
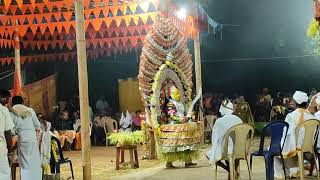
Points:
310	128
241	135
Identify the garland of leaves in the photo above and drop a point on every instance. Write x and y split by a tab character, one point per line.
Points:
127	138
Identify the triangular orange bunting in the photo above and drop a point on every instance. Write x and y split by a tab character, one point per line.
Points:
7	3
97	24
33	3
34	28
70	44
67	15
133	7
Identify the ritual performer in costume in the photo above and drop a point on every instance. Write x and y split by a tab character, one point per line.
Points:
176	115
6	125
175	108
294	119
165	84
27	126
220	128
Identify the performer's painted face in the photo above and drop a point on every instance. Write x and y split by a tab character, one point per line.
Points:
176	95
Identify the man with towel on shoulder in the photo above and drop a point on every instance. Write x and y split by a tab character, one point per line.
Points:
222	125
294	119
26	127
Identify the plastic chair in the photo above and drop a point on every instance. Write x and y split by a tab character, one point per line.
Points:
55	164
275	149
241	136
317	151
316	148
110	126
310	128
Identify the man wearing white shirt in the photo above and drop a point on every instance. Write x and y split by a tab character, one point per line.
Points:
6	124
222	125
27	126
294	119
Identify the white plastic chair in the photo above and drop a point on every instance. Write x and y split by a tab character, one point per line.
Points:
241	136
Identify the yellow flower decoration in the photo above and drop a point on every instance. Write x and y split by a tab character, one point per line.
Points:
313	29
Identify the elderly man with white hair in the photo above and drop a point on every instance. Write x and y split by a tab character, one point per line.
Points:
222	125
294	119
316	107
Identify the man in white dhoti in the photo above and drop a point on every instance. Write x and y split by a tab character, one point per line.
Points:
26	126
222	125
6	124
294	118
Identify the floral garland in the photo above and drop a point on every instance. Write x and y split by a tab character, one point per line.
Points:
163	38
146	134
313	33
154	97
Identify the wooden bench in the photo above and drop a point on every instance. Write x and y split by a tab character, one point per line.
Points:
134	162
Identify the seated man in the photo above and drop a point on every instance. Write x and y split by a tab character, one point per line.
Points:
125	122
221	126
76	127
44	124
294	119
98	134
64	129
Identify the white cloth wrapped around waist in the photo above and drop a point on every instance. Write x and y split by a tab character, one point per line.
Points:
220	128
3	146
27	135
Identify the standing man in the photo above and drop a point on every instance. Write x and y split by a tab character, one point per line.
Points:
6	124
27	126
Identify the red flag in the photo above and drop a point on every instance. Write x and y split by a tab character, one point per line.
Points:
16	85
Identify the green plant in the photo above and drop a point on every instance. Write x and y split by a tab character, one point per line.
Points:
127	138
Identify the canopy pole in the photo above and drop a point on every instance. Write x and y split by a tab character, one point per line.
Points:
83	90
197	60
17	62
